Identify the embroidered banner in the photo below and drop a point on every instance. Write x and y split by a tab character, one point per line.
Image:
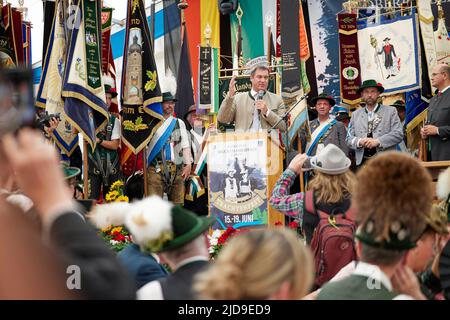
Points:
290	48
49	92
205	77
389	53
350	74
108	66
11	46
83	89
442	39
426	31
208	79
141	93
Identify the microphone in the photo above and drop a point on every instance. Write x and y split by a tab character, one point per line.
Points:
259	96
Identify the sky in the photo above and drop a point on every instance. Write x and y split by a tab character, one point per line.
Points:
36	16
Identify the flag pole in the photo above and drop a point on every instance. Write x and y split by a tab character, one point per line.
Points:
269	22
85	170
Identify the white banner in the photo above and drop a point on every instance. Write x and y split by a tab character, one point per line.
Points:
389	53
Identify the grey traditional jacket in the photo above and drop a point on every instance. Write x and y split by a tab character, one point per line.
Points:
387	128
335	135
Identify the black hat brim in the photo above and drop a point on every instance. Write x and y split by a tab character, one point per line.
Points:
380	89
330	100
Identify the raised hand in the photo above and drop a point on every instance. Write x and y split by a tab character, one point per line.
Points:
297	163
232	87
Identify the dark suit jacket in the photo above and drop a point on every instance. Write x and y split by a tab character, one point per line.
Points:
178	285
102	276
143	268
439	115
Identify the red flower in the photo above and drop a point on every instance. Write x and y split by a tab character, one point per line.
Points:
119	237
228	233
293	225
278	224
439	37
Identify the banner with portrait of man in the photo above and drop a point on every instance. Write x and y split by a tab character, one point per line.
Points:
389	53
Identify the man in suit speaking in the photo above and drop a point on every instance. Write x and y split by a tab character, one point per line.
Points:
253	110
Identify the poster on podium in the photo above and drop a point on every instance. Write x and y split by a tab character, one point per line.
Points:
238	183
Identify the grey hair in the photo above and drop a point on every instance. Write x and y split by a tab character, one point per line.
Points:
259	67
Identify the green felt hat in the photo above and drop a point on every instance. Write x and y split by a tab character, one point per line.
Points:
167	96
325	97
186	226
371	84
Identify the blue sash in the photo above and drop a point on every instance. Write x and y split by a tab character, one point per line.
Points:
158	142
319	136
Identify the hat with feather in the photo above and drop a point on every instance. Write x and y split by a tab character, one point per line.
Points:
155	224
392	195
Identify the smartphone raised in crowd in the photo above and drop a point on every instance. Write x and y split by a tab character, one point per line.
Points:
16	99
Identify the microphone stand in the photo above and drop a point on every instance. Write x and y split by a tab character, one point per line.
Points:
284	117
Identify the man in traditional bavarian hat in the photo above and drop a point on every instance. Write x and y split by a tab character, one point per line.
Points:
324	129
158	226
392	196
196	198
375	127
169	155
341	115
103	162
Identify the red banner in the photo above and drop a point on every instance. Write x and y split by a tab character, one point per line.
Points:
278	31
108	66
12	21
350	71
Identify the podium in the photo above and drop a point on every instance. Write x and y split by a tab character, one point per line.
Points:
242	171
435	168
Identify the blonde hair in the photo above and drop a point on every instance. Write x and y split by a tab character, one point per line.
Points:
332	188
254	265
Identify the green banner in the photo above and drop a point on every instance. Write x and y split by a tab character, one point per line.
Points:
252	29
91	29
242	84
